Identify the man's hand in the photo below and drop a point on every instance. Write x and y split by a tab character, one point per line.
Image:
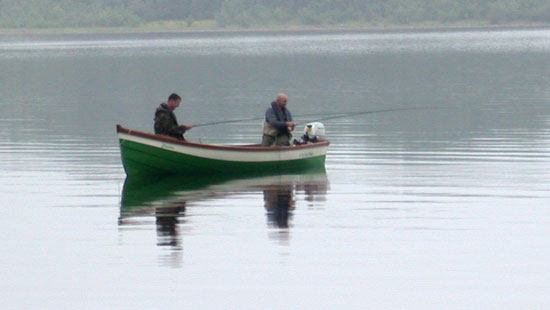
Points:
290	125
186	127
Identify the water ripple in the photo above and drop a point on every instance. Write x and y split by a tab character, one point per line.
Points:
282	44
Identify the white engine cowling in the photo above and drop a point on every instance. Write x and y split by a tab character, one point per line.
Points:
315	131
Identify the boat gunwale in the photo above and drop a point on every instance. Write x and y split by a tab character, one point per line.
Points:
248	148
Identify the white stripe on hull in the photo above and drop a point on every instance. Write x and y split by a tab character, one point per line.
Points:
231	155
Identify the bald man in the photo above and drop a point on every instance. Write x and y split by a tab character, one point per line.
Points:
278	123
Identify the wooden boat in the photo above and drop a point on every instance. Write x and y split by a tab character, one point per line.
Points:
147	154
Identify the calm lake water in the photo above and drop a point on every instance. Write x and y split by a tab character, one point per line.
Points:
443	205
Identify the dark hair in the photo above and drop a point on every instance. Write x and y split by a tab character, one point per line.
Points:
174	97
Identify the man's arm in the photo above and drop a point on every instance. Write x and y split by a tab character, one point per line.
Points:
290	124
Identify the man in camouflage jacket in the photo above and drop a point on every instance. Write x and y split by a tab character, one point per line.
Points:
165	119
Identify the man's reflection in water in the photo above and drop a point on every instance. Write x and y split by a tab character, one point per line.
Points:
313	192
279	203
167	220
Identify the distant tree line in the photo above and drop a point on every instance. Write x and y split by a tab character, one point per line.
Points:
266	13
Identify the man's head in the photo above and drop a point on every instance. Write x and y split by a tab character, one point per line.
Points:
281	100
174	101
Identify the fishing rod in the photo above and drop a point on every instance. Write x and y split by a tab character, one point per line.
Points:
255	119
350	114
329	117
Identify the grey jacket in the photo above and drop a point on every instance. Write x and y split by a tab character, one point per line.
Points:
275	121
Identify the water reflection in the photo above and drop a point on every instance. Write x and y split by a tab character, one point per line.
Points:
179	204
279	203
167	220
280	200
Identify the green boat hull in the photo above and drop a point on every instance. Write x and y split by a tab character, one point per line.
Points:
141	159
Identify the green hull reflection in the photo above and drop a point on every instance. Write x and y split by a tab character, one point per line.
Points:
152	191
167	201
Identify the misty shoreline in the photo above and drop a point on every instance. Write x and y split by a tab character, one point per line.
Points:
216	29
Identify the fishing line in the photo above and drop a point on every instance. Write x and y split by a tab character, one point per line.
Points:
329	117
350	114
255	119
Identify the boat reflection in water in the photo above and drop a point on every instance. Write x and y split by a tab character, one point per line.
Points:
172	202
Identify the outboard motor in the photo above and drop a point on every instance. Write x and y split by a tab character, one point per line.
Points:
313	132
